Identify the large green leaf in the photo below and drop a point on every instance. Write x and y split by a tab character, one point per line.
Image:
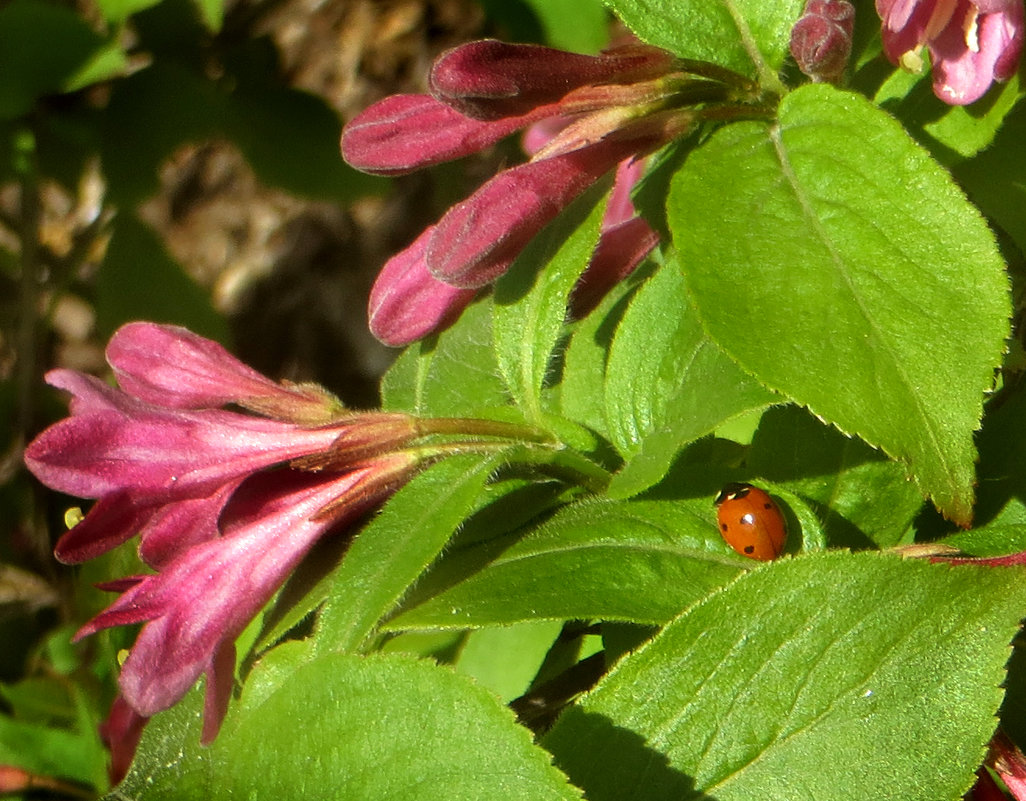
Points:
748	36
833	676
667	383
640	561
353	728
840	265
390	553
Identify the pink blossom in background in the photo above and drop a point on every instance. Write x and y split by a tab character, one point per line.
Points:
972	43
601	111
225	503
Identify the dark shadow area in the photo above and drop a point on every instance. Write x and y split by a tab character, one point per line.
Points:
610	763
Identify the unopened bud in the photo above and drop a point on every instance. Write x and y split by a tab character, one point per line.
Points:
491	80
821	39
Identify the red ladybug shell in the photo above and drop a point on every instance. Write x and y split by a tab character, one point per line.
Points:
751	522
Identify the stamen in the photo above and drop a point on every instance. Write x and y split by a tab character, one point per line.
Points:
972	30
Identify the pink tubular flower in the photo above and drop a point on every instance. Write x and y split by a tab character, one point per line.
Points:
611	109
972	43
200	601
222	530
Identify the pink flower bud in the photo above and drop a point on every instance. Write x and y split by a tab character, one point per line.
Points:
491	80
477	240
403	133
821	39
620	250
407	302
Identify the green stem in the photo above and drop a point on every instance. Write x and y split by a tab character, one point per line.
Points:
475	427
715	72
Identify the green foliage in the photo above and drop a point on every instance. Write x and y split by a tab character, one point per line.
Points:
879	296
42	48
770	688
138	273
578	25
381	727
528	299
667	383
827	316
390	554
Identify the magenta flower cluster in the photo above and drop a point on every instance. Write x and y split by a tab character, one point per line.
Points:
585	116
221	529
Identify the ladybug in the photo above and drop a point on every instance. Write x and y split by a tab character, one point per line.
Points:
751	522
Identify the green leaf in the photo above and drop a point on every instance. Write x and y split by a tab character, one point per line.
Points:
346	727
640	561
833	676
381	727
140	281
390	553
581	26
667	383
149	115
451	374
531	300
212	13
120	10
876	290
748	36
108	62
582	387
52	751
952	132
864	498
505	659
1001	507
42	46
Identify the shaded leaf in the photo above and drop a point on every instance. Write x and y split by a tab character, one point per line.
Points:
832	676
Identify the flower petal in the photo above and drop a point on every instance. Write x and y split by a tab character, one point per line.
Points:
172	367
113	443
209	593
619	252
114	519
966	54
